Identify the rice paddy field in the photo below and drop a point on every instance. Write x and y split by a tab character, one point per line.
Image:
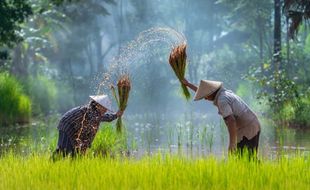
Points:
188	157
156	172
148	59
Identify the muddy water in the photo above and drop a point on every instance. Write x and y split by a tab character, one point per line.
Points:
198	135
152	133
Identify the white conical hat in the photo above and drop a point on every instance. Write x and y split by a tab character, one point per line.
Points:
206	88
103	100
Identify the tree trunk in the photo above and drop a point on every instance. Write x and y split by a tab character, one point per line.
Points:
277	43
89	56
103	67
19	65
288	66
260	25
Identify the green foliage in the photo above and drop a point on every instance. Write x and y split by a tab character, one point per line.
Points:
59	2
43	93
15	106
12	14
286	93
157	172
302	112
285	115
297	12
276	89
288	106
108	141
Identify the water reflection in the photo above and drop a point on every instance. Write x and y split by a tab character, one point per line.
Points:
191	135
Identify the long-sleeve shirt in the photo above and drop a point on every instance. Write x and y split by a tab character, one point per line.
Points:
81	125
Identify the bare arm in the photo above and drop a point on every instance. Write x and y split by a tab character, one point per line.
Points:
190	85
230	122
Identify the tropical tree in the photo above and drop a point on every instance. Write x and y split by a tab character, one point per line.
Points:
38	36
12	14
298	12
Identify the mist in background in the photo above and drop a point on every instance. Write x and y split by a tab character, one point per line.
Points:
68	49
221	46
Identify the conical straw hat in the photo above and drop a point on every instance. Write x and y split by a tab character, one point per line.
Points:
103	100
206	88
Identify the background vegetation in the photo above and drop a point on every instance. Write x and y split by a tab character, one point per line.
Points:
61	48
53	54
15	106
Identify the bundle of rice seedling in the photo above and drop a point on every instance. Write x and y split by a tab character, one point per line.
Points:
177	60
123	87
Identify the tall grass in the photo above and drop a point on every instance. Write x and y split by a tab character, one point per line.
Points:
15	106
159	172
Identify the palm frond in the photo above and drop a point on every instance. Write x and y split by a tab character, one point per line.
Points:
298	13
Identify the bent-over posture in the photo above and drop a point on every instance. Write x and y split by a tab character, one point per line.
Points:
78	127
242	123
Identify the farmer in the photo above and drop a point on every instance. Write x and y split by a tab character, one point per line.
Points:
242	123
78	127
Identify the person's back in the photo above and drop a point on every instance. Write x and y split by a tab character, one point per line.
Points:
229	103
242	123
78	126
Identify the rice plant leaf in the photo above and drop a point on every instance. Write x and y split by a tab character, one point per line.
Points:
115	96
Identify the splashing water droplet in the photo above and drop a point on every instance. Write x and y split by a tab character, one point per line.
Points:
146	44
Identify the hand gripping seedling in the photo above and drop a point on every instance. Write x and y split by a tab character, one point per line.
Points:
123	88
177	61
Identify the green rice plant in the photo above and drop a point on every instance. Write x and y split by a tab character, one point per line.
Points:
190	135
203	136
170	137
133	144
180	137
148	137
108	142
123	88
156	172
15	106
210	136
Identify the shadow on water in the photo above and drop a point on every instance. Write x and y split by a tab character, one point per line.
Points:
190	134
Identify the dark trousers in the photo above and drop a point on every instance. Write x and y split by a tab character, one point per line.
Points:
64	146
250	146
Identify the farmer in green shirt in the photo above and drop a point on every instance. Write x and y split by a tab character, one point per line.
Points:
242	123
